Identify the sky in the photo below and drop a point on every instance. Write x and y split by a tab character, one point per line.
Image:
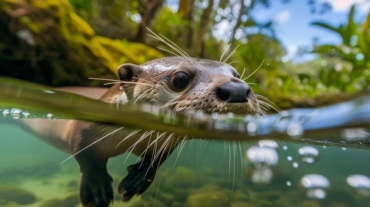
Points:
293	21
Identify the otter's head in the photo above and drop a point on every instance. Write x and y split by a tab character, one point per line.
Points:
200	84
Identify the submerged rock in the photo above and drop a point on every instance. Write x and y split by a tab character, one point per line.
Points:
184	177
69	201
53	203
208	199
241	204
18	195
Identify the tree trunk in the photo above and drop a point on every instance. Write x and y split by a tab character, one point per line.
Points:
203	28
186	10
148	9
238	22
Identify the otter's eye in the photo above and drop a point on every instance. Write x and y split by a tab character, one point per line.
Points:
180	80
237	75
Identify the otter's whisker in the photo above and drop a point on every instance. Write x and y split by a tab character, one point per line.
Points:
240	156
148	81
145	135
103	79
259	95
179	48
135	83
255	70
159	136
241	76
234	171
263	103
141	95
264	98
172	53
207	144
229	161
227	48
169	104
165	143
223	155
264	108
161	151
232	62
128	136
143	154
170	44
92	144
231	54
180	150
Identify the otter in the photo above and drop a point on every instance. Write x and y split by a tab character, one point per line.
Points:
176	83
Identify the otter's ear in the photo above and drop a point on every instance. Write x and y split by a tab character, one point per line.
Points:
129	72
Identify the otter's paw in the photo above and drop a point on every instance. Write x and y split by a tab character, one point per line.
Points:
96	190
140	177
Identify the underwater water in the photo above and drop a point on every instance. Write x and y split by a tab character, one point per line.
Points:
202	173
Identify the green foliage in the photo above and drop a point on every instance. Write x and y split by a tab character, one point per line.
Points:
354	52
355	42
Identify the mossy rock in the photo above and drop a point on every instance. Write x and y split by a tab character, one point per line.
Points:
241	204
309	204
72	200
149	202
69	201
48	43
53	203
208	199
17	195
183	177
240	196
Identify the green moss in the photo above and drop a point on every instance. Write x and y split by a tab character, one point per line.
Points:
13	194
66	49
208	199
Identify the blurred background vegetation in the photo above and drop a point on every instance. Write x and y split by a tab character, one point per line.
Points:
62	43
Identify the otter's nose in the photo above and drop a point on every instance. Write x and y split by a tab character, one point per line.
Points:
233	92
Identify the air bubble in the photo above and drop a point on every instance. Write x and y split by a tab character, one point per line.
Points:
5	112
295	165
357	134
262	160
49	115
263	156
262	175
295	130
266	143
25	114
252	128
308	154
360	183
16	113
315	185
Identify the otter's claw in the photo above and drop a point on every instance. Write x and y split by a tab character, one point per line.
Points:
96	190
140	177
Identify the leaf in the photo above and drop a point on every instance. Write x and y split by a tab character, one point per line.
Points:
304	76
350	30
327	26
